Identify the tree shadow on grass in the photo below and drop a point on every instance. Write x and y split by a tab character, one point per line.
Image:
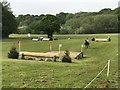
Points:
84	58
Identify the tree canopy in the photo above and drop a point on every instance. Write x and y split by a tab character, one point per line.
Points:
104	21
49	24
9	24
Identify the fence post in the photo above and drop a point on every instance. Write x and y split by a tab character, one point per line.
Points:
108	68
108	64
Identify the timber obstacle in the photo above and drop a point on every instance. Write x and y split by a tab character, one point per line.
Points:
41	39
101	39
52	54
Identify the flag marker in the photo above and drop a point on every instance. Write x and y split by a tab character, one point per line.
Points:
19	44
50	46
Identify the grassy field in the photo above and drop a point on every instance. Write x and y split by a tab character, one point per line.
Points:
43	74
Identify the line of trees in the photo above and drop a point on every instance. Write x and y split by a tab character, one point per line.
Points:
104	21
91	24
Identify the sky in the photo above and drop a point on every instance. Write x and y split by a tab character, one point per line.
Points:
37	7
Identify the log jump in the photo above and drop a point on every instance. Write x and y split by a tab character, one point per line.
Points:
73	55
102	40
39	39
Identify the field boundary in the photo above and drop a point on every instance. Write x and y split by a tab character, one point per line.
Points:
108	67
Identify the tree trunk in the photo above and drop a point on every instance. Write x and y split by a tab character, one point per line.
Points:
5	35
50	35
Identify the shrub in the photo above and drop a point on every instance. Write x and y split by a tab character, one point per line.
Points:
93	39
55	38
66	57
13	53
109	39
51	38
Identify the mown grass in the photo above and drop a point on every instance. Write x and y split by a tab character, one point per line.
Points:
41	74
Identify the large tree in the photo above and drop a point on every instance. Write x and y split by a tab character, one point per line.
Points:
0	20
118	13
9	24
49	24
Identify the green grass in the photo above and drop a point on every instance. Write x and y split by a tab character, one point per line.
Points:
41	74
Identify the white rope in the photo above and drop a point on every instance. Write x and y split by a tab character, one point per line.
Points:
95	77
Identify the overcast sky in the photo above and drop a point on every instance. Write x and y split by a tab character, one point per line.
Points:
37	7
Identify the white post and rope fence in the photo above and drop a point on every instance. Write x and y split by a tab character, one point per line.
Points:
108	70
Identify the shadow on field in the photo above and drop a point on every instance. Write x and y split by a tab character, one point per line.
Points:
84	58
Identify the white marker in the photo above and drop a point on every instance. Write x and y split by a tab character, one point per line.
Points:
108	69
82	48
60	45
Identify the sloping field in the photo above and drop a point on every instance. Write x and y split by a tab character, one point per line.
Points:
43	74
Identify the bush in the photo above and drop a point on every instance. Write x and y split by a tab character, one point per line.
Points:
51	38
13	53
109	39
66	57
93	39
55	38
